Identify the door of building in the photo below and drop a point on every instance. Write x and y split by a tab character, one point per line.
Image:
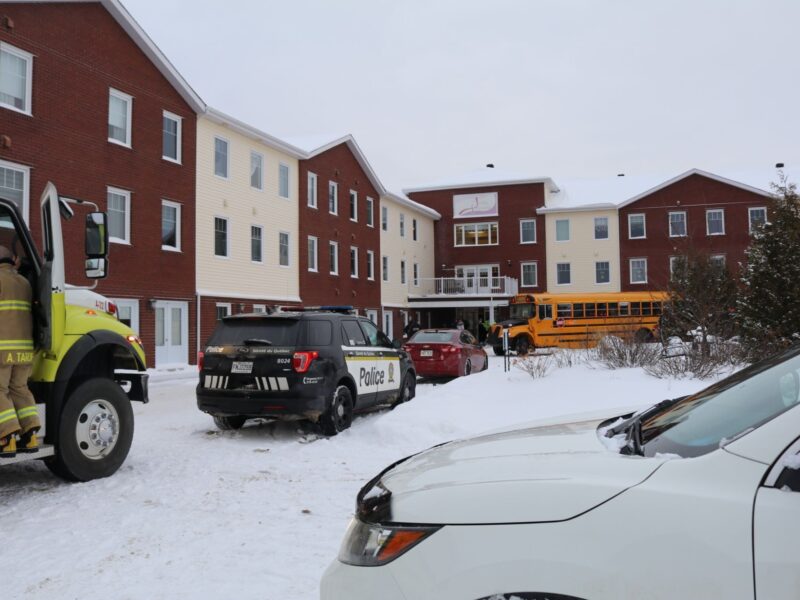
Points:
372	315
172	327
387	324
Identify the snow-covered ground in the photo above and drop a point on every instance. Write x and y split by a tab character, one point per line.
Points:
255	514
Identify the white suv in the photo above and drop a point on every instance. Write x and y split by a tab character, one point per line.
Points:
694	498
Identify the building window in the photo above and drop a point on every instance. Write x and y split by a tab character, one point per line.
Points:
384	218
674	262
353	205
758	217
602	272
638	268
636	227
677	224
414	229
283	249
220	236
260	309
370	265
14	185
530	274
333	197
476	234
601	228
415	279
353	262
120	111
256	171
715	221
312	190
220	157
370	212
333	258
223	310
562	230
170	225
16	70
312	253
283	180
717	260
527	231
403	272
563	274
119	215
402	225
171	137
385	267
256	243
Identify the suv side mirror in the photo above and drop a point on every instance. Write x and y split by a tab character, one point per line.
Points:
96	235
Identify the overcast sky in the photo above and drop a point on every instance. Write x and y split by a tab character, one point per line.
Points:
432	88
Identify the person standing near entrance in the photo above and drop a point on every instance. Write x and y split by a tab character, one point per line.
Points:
18	414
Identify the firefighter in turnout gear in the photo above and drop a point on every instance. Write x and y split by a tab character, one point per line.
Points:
18	414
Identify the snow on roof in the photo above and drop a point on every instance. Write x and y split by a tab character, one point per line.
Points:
245	129
479	178
421	208
312	142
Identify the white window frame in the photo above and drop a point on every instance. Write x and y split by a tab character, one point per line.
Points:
28	58
708	213
332	185
335	247
227	254
521	239
644	226
311	190
415	275
597	262
353	263
750	216
522	266
414	230
463	227
720	257
134	306
402	225
260	308
127	195
569	230
313	265
288	264
26	186
352	206
260	157
261	241
608	229
388	319
402	271
281	167
177	207
227	306
227	157
370	212
672	260
630	271
385	268
129	116
570	273
384	218
685	223
370	265
179	137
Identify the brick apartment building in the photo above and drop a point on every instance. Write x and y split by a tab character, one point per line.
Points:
88	102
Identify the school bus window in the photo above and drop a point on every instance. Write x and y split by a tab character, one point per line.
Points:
624	309
612	309
646	308
545	312
577	310
636	308
656	308
590	310
565	311
602	309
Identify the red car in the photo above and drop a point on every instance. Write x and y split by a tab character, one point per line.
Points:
446	353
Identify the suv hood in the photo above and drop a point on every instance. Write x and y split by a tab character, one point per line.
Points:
546	473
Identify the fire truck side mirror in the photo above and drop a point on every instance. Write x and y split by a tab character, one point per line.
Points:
96	268
96	235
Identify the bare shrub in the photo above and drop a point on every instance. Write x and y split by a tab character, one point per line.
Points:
535	365
696	362
565	359
626	352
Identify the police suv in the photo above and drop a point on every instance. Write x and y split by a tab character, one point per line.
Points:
322	364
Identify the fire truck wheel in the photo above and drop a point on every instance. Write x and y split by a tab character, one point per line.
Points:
95	431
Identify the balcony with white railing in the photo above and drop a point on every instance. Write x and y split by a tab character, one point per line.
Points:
465	286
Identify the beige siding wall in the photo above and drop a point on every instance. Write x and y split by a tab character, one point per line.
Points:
244	206
397	248
582	251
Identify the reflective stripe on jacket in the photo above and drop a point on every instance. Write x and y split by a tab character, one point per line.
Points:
16	319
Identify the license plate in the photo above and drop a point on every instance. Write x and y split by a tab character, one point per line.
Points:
426	352
242	367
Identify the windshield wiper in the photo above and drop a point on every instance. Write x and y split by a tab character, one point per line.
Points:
632	427
257	342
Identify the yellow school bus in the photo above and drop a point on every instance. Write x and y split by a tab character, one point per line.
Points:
577	320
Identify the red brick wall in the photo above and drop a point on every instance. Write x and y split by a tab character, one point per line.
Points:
515	202
80	51
340	165
693	195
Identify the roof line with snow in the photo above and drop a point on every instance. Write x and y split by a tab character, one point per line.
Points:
478	184
217	116
420	208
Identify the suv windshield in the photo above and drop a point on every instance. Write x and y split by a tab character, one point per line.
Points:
740	403
236	332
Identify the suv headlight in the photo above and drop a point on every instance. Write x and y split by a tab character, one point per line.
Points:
373	545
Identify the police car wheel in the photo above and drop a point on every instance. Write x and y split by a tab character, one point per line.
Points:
228	423
339	415
407	390
95	431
